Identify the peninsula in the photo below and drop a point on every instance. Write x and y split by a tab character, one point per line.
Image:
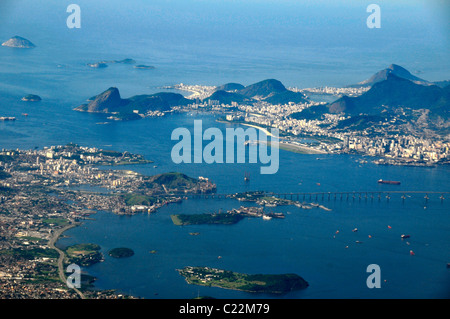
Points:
135	107
84	254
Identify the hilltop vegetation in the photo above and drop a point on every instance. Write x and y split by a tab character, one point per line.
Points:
132	199
172	180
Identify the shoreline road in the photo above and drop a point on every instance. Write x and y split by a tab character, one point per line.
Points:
51	244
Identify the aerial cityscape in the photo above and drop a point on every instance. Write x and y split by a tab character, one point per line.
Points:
109	189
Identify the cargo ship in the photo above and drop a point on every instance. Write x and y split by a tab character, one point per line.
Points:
388	182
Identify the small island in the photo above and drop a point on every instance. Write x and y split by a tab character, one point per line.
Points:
144	67
31	98
98	65
18	42
232	216
123	61
260	283
121	252
207	218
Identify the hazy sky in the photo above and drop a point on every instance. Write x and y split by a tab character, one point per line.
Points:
411	31
223	18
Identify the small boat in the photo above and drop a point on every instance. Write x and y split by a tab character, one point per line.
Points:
265	217
405	236
355	230
411	253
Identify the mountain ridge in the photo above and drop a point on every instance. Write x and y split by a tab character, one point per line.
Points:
110	101
270	90
396	70
385	95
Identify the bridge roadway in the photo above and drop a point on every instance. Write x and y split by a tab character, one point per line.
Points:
427	195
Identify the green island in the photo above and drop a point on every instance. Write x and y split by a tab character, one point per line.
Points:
261	283
211	218
84	254
121	252
31	98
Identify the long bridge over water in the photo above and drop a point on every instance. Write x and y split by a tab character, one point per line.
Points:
352	195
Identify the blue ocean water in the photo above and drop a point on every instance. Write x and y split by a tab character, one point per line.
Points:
211	43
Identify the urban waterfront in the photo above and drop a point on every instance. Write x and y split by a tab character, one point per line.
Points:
317	244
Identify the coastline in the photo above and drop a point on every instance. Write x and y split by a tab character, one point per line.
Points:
300	149
286	146
265	131
62	255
